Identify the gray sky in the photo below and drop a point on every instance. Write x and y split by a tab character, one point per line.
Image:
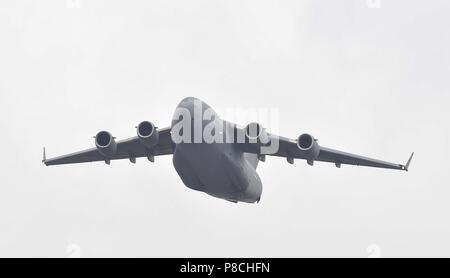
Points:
369	79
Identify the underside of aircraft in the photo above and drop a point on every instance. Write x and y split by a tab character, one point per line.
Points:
222	160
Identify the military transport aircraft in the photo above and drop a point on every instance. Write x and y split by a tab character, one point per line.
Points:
221	162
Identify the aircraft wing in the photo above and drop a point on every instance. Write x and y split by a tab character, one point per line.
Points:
291	149
339	157
130	148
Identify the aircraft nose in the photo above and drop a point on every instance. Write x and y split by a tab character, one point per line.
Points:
193	106
189	100
188	103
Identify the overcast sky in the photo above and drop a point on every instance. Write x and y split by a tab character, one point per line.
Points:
365	77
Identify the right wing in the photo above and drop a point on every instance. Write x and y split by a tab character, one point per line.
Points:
130	148
306	147
340	157
289	148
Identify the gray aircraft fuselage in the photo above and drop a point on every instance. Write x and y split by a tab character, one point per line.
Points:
212	155
219	169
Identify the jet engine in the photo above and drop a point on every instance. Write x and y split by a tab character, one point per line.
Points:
106	144
147	134
308	145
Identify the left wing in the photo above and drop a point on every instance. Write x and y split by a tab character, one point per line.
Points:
130	148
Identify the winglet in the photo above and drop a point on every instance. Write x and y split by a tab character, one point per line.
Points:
44	157
406	167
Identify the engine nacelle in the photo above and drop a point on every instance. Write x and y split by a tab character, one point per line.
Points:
147	134
255	133
106	144
308	145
